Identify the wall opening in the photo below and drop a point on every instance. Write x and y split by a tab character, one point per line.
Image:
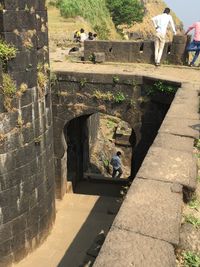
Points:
75	132
91	141
141	47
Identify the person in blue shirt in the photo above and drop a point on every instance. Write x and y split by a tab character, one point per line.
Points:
116	164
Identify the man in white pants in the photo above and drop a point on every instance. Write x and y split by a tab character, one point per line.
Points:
161	23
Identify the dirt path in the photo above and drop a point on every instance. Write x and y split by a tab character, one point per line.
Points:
168	72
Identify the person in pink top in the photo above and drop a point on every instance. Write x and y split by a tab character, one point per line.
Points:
194	46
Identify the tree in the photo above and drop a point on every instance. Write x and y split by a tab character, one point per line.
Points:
125	11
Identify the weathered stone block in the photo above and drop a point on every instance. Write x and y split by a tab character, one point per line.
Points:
170	141
180	126
124	248
147	215
8	21
5	248
99	57
27	76
169	166
179	39
5	232
42	39
24	61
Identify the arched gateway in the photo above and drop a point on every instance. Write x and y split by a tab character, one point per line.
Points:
78	96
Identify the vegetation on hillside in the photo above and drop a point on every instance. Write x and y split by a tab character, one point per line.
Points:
125	11
102	13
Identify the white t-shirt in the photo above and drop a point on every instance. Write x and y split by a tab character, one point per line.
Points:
161	23
83	36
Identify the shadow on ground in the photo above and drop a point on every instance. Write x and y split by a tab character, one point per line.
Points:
87	243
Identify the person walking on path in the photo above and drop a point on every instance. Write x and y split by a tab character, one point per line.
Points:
116	163
161	23
195	44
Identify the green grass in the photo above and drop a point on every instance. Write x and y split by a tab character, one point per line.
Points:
194	203
191	259
192	220
94	11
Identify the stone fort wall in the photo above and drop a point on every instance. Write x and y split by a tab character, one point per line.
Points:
138	51
27	197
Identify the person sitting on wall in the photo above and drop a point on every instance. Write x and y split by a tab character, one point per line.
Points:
83	35
161	23
94	36
116	164
90	36
195	44
77	36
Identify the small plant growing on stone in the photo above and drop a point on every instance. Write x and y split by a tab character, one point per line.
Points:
22	89
191	259
110	124
161	87
7	51
194	203
42	79
8	89
26	37
108	96
83	82
197	144
115	79
192	220
53	78
119	97
106	162
91	58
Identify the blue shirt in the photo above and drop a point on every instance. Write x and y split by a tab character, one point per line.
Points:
116	162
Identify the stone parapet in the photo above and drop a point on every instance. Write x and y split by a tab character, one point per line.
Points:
138	51
151	213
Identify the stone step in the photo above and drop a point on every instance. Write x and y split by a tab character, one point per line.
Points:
95	177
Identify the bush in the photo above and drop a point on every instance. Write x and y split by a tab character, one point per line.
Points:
125	11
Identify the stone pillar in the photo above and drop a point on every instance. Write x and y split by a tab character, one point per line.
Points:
27	191
178	54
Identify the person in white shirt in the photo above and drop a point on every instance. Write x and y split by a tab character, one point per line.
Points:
161	23
83	35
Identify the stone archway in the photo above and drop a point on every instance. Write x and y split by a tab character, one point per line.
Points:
70	136
83	94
